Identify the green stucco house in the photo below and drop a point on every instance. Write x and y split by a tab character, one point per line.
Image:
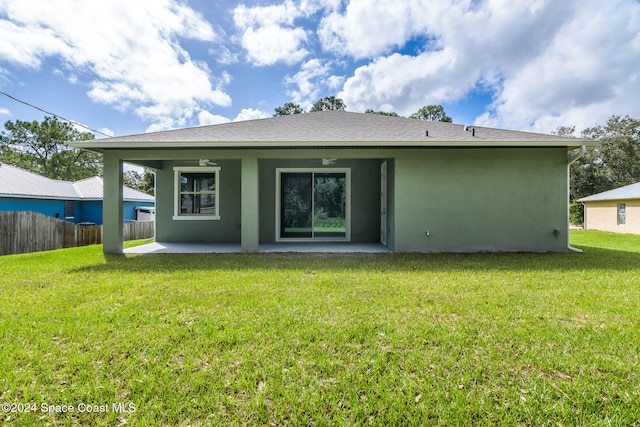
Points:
335	176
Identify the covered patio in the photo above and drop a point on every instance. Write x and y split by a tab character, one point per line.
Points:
226	248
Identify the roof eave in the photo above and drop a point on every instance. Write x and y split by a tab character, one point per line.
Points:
222	145
608	199
39	197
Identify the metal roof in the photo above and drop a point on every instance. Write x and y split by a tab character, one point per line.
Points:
623	193
16	182
331	128
19	182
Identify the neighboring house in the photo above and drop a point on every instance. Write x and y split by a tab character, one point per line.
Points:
412	185
77	202
615	210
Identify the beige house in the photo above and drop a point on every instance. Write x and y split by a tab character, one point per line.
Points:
616	210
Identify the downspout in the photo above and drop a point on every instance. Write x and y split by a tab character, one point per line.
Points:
571	158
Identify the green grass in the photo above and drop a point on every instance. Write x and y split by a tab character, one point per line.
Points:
283	339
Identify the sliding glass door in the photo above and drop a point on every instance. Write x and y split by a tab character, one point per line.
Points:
313	204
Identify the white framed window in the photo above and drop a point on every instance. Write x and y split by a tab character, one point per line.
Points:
196	193
622	213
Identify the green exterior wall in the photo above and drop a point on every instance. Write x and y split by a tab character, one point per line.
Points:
481	200
225	230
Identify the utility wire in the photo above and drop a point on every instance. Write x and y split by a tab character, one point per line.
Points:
54	115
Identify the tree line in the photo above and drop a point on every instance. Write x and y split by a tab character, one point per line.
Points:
613	162
42	148
434	113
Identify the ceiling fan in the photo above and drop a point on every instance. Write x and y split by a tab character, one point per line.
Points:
202	162
325	161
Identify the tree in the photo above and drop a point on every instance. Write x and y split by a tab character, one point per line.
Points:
140	181
329	103
566	131
613	163
382	113
288	109
434	113
42	148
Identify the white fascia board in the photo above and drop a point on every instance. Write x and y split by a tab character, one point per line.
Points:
221	145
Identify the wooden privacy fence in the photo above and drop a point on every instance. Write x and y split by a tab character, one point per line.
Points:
138	230
23	232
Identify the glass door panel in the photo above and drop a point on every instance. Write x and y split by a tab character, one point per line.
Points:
329	207
296	205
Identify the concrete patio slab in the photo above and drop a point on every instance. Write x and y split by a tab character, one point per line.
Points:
319	247
310	247
183	248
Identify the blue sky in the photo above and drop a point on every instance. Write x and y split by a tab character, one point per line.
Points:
124	67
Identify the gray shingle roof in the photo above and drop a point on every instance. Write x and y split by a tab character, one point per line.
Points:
309	129
623	193
21	183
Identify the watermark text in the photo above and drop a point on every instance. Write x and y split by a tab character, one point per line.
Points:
22	407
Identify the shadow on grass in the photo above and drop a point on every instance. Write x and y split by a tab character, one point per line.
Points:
593	258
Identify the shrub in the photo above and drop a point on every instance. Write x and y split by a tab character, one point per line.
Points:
576	214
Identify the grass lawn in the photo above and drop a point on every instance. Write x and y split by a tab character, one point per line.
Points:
282	339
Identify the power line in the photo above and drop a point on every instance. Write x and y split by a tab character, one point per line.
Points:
54	115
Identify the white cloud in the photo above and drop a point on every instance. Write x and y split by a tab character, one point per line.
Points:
269	35
129	50
5	112
451	62
28	46
250	114
308	82
544	63
547	63
408	82
249	17
206	118
270	44
105	131
589	71
223	55
368	29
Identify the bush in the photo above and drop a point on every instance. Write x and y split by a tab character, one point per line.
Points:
576	214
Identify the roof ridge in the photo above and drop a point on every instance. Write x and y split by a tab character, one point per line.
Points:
77	190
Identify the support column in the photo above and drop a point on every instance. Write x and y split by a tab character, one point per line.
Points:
112	236
250	229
